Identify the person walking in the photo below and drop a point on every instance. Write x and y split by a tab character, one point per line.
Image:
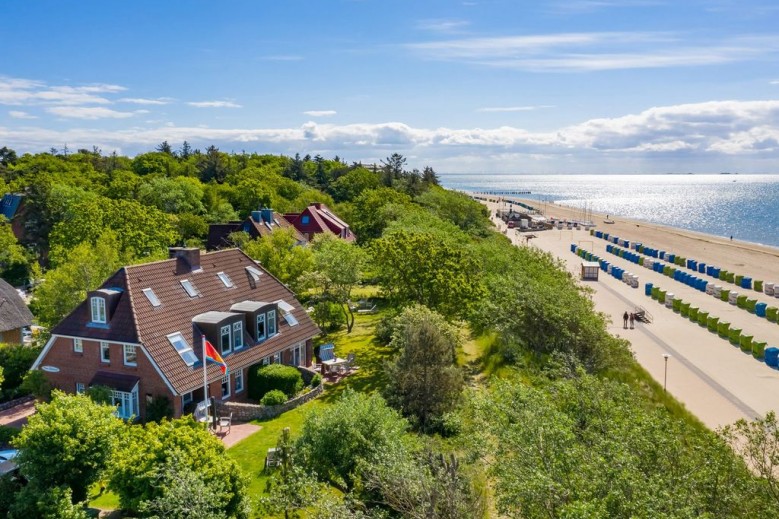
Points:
625	318
632	320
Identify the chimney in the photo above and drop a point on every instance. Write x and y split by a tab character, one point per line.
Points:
267	215
257	216
190	256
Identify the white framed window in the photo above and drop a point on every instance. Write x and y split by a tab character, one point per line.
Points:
178	341
105	352
271	323
225	279
226	386
238	335
239	381
297	355
130	355
152	297
189	288
98	310
79	387
277	358
260	327
265	361
126	403
186	399
224	339
78	346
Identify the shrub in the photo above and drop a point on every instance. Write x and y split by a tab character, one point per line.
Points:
274	376
316	380
158	409
7	434
16	361
36	384
273	397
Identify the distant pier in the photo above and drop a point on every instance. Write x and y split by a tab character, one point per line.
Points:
503	192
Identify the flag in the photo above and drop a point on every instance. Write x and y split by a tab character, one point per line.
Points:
213	355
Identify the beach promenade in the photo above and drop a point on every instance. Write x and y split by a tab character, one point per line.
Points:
715	380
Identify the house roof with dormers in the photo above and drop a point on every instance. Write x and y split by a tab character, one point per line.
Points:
136	319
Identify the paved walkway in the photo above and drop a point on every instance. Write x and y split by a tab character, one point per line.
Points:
716	381
238	432
17	416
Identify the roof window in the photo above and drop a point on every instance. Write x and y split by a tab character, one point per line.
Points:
152	297
290	319
226	279
254	272
190	288
180	343
284	306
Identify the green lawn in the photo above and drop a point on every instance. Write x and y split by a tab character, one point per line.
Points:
369	357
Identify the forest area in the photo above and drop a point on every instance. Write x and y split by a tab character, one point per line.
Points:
551	418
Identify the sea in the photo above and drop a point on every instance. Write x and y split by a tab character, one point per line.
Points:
745	207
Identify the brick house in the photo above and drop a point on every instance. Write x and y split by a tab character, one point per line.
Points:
141	332
318	218
259	223
14	314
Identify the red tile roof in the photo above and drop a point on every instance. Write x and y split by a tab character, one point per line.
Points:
135	320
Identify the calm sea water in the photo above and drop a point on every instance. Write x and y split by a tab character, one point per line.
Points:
744	206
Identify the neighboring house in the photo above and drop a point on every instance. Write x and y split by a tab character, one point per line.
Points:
12	207
14	314
260	223
141	332
318	218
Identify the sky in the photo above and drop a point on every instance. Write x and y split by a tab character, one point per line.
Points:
477	86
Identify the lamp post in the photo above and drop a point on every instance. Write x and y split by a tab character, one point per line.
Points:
665	373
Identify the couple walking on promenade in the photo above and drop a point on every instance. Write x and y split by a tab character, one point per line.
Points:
628	317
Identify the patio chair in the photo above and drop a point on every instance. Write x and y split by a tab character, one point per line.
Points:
201	412
350	361
226	421
370	310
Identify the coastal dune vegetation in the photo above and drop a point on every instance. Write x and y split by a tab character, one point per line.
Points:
489	385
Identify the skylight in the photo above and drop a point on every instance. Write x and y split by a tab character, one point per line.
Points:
290	319
152	297
190	288
226	279
255	273
284	306
180	343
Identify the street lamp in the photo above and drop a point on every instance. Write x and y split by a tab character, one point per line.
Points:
665	374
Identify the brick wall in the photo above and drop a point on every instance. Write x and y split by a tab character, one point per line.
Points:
82	367
11	336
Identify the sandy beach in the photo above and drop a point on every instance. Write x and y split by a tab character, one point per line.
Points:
715	380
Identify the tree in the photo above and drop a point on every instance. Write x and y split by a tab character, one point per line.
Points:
280	255
340	264
418	268
424	380
83	269
15	362
291	489
145	452
173	195
34	502
374	209
758	443
12	255
164	147
68	442
358	430
392	168
214	165
183	493
430	177
353	184
186	151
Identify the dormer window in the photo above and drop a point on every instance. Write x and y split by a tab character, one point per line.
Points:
152	297
305	219
271	323
260	327
226	279
224	339
98	310
189	288
238	335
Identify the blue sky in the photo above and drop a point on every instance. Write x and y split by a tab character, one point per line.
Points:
562	86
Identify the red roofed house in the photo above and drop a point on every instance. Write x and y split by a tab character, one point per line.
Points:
259	223
141	332
318	218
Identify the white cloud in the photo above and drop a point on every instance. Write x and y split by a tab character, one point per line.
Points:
18	91
143	101
18	114
442	26
214	104
90	112
514	108
320	113
702	133
594	51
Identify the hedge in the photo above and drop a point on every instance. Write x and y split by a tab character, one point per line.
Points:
274	376
273	397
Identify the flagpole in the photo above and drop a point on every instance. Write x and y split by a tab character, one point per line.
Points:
205	375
